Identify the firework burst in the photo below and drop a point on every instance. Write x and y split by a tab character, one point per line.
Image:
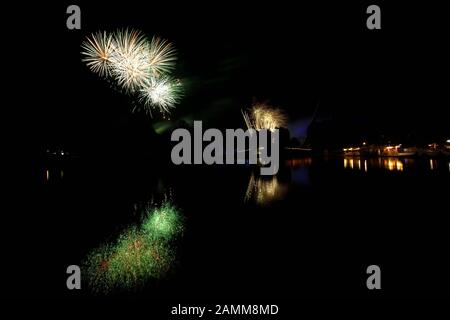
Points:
161	56
162	93
138	66
130	64
98	50
263	116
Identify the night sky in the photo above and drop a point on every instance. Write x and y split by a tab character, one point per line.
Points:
389	82
313	60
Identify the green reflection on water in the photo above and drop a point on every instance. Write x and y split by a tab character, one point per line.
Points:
139	254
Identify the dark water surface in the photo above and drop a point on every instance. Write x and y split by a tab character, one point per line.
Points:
310	231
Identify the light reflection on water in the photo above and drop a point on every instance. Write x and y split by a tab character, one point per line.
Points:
265	190
53	174
141	252
289	191
433	164
299	163
390	164
354	163
393	164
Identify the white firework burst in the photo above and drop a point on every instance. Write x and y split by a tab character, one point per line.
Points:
162	93
98	50
130	64
138	66
162	56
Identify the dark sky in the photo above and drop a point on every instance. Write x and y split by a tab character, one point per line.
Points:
293	56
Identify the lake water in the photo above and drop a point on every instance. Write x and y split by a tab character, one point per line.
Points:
309	231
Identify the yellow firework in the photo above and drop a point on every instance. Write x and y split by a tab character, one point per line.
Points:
262	116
